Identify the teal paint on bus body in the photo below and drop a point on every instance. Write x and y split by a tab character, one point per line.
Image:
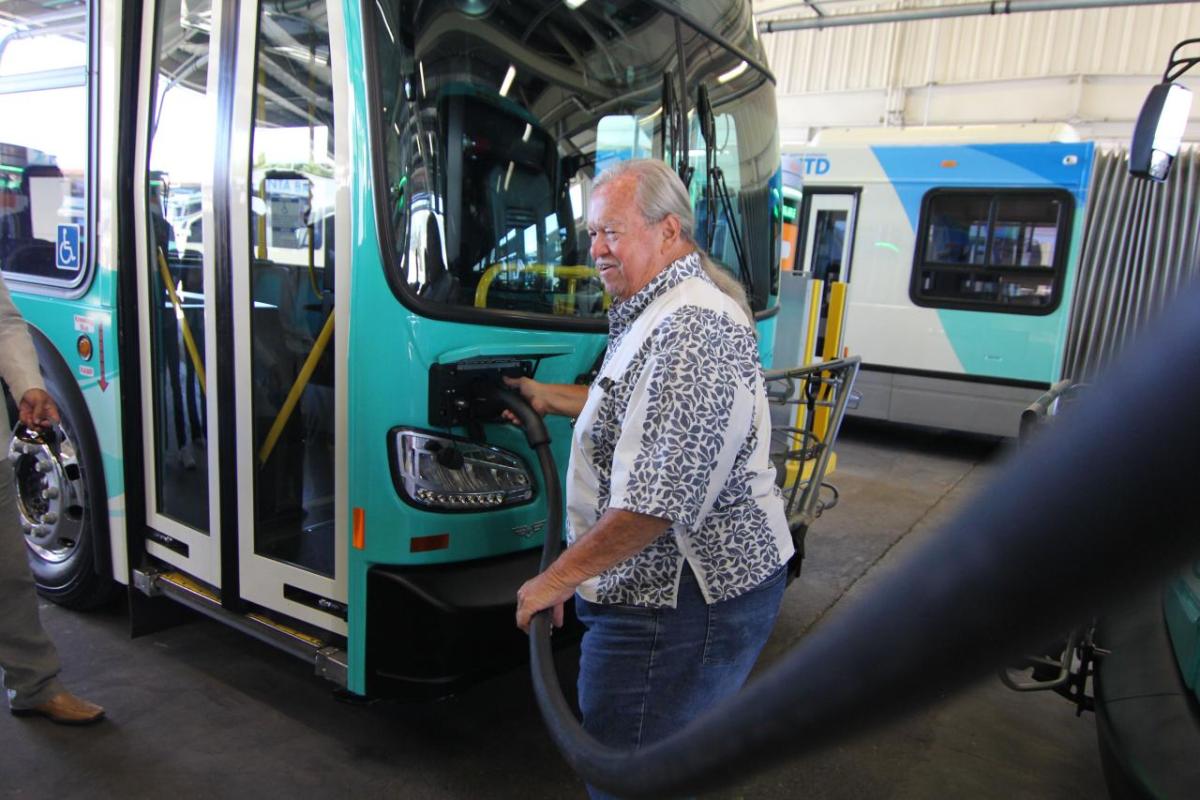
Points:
389	387
57	319
364	251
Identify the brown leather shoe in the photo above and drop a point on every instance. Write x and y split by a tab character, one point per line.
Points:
64	709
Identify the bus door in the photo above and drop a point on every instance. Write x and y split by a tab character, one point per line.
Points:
237	305
175	289
292	546
827	224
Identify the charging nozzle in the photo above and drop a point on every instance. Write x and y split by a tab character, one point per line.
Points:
531	421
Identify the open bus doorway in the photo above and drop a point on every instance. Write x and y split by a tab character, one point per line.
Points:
826	235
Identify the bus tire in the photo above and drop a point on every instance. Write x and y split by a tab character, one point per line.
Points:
61	497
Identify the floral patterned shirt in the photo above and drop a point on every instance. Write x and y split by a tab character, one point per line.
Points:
676	426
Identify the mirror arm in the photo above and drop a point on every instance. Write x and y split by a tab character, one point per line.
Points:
1176	67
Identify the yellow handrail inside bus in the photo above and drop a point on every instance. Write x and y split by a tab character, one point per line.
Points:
573	273
262	222
193	353
293	397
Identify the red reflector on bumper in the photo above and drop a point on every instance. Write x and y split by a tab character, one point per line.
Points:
423	544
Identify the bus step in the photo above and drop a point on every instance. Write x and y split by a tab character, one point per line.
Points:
328	661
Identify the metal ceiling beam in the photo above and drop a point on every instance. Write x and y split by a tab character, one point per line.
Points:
995	8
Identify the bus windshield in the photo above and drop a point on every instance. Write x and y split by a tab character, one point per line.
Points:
493	119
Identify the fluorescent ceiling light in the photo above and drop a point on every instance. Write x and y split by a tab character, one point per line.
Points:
508	79
299	54
421	69
386	25
528	131
573	4
733	73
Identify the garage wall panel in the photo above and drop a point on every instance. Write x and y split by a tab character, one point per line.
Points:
1089	68
1107	41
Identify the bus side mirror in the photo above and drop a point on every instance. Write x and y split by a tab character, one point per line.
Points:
1159	131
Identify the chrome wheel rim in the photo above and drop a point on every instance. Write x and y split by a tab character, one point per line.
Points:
50	495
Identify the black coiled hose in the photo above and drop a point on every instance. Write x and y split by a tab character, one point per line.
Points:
1099	507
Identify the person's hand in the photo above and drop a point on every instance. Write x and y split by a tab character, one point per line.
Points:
37	410
534	394
539	593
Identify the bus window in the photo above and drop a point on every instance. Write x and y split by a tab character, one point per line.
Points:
712	223
620	138
175	263
747	153
998	250
502	145
43	168
291	206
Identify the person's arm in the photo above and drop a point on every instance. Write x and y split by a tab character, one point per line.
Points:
616	536
566	399
18	358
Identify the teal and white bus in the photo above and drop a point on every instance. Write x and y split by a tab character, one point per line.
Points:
266	249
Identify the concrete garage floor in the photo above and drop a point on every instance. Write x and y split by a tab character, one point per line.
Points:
201	711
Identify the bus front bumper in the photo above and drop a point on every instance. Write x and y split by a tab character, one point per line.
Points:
432	630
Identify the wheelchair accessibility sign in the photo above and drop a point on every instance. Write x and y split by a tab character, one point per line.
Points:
67	254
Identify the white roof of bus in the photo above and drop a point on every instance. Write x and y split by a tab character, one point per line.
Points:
947	134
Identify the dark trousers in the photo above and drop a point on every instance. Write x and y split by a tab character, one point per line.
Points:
27	656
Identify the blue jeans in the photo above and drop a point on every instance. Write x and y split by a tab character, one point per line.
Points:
645	673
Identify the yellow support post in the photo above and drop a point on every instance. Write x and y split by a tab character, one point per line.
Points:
816	289
293	397
261	251
835	324
188	341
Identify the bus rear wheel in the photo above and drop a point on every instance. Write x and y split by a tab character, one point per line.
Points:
54	479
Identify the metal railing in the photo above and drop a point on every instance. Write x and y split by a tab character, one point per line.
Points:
802	448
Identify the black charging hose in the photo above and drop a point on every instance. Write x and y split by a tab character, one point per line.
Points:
538	439
1062	532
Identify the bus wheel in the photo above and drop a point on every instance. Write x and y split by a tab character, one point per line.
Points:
53	503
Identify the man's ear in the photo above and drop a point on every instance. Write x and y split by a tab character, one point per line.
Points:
671	229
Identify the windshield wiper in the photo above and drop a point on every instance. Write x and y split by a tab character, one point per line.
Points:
716	190
674	128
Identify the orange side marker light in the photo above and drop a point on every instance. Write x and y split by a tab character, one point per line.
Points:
360	535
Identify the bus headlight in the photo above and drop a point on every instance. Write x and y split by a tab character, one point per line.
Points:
448	474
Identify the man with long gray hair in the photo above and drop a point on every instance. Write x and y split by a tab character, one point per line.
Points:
677	537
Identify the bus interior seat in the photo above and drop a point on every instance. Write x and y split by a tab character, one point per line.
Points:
20	250
525	201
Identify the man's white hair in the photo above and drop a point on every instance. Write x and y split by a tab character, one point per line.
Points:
659	193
